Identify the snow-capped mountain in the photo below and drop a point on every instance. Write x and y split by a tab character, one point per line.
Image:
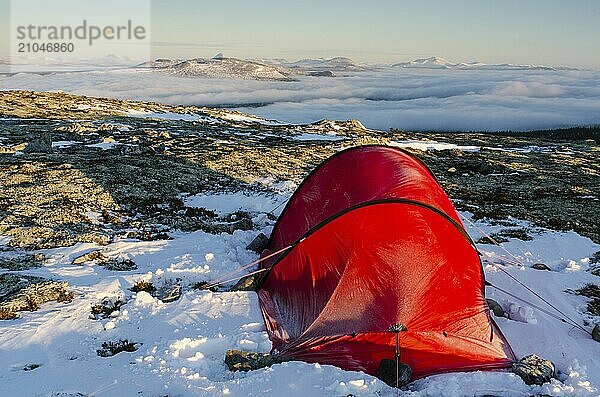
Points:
278	70
431	62
336	64
441	63
220	67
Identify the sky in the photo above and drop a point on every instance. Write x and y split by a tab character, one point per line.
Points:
546	32
534	32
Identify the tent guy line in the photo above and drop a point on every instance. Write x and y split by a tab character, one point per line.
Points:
501	268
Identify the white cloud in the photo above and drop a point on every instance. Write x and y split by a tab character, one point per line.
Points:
407	99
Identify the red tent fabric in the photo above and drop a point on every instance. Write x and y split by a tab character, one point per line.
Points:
375	242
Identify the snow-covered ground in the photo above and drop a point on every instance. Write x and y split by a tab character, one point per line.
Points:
182	344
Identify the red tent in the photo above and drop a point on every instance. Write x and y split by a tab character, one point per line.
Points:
376	242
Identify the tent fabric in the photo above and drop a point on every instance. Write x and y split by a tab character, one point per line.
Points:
352	177
377	242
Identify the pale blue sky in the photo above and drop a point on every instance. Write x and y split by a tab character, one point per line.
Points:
535	31
522	31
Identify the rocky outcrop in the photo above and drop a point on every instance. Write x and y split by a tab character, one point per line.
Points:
26	293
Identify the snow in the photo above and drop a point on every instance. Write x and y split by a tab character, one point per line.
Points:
182	344
441	63
171	116
217	118
63	144
226	203
107	143
426	145
306	136
247	118
431	145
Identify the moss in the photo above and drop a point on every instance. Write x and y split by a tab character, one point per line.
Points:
7	314
143	285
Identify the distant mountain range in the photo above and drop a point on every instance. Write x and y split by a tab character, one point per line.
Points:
279	70
220	66
441	63
282	70
337	64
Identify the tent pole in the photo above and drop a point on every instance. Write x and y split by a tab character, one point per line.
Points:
397	362
397	328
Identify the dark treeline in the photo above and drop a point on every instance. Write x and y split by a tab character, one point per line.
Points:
563	134
560	134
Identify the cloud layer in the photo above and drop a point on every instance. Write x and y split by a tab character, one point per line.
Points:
381	99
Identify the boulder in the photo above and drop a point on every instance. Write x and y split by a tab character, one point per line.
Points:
238	360
495	307
540	266
596	333
387	372
258	244
534	370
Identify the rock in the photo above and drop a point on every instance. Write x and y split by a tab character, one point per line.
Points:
91	256
31	295
485	168
540	266
106	308
39	143
387	372
519	232
12	283
495	307
322	73
168	293
596	333
119	264
258	244
110	348
591	291
116	264
249	283
534	370
238	360
452	170
149	234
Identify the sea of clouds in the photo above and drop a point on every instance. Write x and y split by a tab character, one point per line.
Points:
381	98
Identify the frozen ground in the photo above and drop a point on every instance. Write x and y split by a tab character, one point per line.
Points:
182	344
